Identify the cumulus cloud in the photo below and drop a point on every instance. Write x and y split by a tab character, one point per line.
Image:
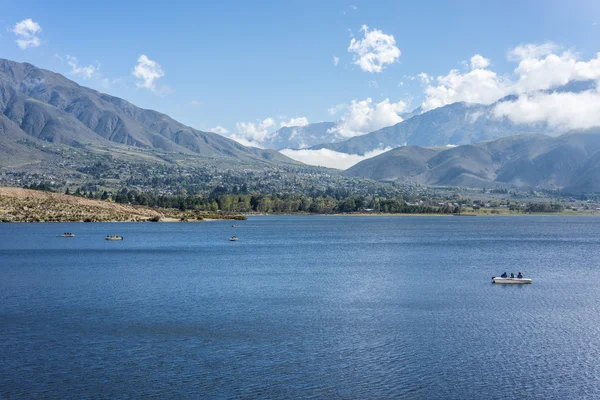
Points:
300	121
375	51
366	116
540	67
255	133
85	72
219	129
540	70
336	60
478	61
252	133
27	32
330	158
560	110
476	86
147	71
554	70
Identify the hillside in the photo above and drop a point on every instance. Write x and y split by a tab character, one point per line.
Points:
570	162
45	107
23	205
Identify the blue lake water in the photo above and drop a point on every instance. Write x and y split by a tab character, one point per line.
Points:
302	307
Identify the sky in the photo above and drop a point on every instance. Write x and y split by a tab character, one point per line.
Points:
245	68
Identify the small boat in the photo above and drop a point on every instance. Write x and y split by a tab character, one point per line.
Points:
68	235
233	238
114	237
499	279
234	225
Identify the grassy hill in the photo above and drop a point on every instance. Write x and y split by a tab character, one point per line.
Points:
23	205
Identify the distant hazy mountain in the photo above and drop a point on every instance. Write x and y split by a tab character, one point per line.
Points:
37	104
317	134
454	124
570	162
301	137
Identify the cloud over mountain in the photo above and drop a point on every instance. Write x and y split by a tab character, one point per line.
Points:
366	116
540	67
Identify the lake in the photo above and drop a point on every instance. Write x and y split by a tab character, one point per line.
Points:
302	307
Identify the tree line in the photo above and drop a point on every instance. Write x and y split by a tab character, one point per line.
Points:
268	203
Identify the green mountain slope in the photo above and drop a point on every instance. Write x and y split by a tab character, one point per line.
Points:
570	162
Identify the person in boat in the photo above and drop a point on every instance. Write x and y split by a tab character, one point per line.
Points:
503	275
520	275
512	275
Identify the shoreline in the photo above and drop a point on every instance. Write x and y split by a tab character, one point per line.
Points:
428	215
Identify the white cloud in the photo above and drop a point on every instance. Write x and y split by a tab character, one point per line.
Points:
540	67
219	129
85	72
195	103
561	110
375	51
252	133
476	86
479	62
147	71
554	70
27	32
532	50
336	60
300	121
400	84
336	109
373	84
352	6
330	158
366	116
426	79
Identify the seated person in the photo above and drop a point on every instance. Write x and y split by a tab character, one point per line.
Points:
520	275
503	275
512	275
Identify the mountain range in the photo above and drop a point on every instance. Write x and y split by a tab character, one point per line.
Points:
42	106
569	162
41	109
453	124
301	137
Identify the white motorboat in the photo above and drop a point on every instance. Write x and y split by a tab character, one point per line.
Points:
115	237
233	239
499	279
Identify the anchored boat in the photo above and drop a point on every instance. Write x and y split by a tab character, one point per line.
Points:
68	235
233	238
499	279
114	237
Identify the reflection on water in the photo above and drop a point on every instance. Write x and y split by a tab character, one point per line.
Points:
311	307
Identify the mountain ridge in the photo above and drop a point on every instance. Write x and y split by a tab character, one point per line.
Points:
569	162
49	107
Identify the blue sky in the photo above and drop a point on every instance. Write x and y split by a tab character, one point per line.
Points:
226	62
